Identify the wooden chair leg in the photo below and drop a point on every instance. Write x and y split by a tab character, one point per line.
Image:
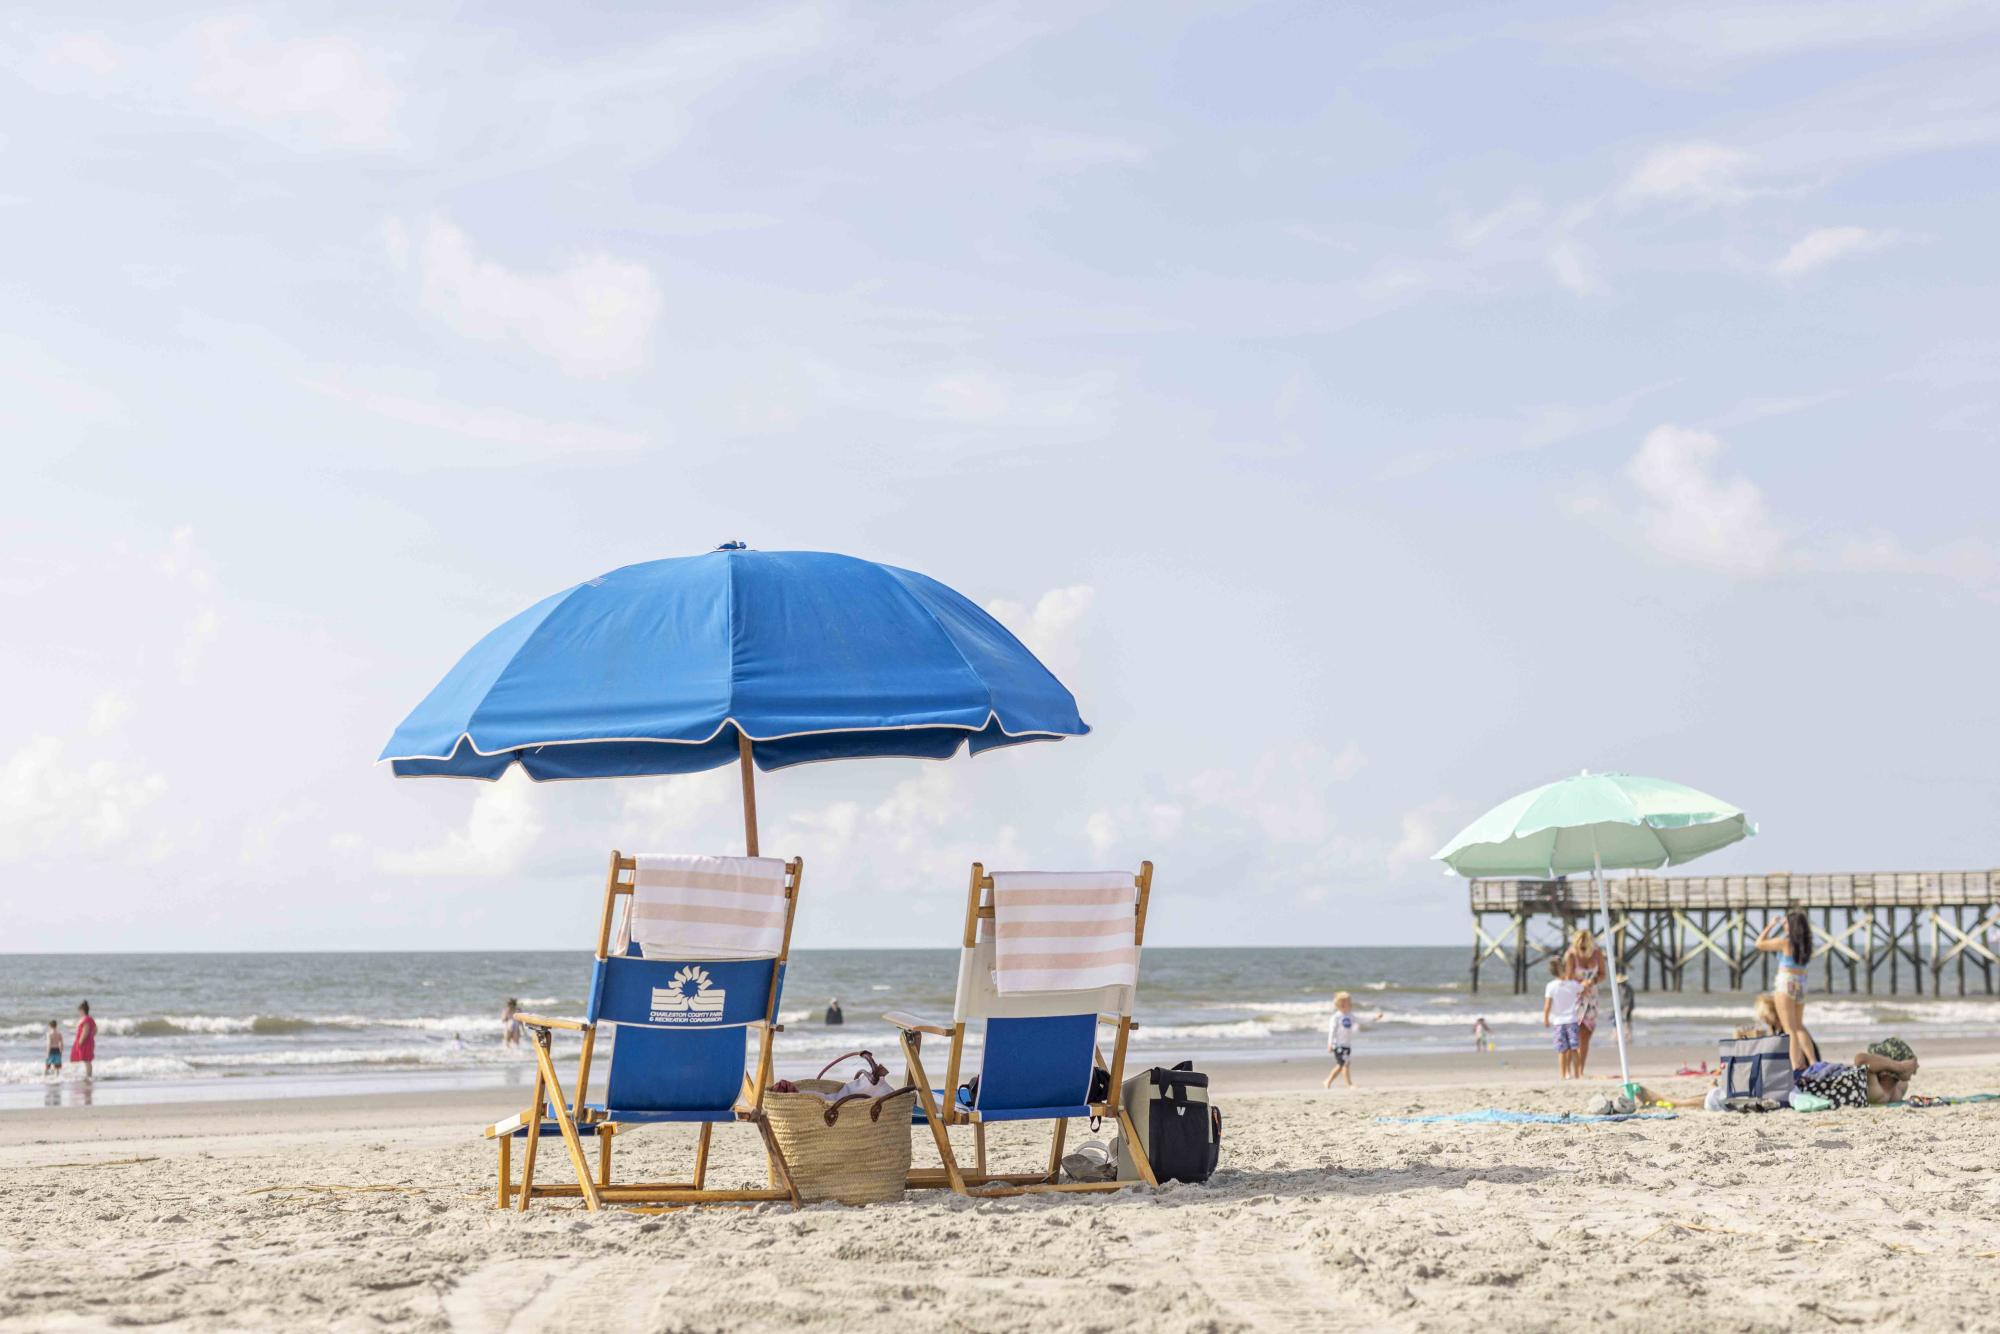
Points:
506	1168
605	1134
979	1144
528	1161
571	1140
701	1154
1138	1151
777	1156
934	1116
1056	1148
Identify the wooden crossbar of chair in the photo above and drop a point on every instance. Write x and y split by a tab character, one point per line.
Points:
911	1031
572	1117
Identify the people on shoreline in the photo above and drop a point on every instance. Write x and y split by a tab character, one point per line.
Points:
1341	1030
83	1043
1482	1036
1587	966
1559	1012
52	1062
510	1025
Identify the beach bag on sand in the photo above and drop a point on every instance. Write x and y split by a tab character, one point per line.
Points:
1757	1067
1179	1130
843	1146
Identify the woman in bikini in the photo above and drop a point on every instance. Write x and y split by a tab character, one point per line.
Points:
1586	966
1788	989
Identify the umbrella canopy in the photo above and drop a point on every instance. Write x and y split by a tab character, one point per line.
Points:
1612	821
668	667
1591	822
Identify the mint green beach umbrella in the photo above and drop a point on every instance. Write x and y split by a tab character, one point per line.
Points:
1594	823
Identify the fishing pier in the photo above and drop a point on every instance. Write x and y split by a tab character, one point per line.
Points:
1925	932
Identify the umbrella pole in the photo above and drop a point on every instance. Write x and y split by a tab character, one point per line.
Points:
1610	963
749	792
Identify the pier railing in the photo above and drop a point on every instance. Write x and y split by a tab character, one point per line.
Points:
1899	924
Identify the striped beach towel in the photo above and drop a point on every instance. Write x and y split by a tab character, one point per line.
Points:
706	907
1063	931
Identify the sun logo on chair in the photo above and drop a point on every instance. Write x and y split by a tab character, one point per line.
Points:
690	995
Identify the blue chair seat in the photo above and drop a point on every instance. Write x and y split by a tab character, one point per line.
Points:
551	1130
917	1117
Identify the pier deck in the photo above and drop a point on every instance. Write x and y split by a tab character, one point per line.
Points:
1894	931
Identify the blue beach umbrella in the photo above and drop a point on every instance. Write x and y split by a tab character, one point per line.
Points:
768	657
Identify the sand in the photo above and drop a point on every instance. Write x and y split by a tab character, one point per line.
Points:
1322	1217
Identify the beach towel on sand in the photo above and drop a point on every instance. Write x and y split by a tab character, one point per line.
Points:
706	907
1493	1116
1063	931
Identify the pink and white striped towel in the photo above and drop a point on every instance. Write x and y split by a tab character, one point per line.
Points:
1063	931
706	907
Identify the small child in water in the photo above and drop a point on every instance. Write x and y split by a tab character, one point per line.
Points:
1340	1034
52	1063
1482	1036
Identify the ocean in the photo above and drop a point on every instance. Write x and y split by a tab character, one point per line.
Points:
190	1026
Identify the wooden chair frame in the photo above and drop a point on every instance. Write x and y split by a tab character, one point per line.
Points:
978	906
573	1118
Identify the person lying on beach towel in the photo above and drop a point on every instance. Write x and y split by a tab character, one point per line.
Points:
1878	1076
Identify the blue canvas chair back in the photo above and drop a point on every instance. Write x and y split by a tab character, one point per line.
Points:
1035	1068
679	1049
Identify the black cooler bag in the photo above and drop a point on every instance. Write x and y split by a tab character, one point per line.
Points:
1180	1132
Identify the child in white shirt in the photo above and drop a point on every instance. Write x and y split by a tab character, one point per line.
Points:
1560	1001
1340	1034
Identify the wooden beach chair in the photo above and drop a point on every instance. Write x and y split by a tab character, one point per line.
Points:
1040	1053
678	1056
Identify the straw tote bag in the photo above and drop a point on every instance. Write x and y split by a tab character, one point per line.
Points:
855	1150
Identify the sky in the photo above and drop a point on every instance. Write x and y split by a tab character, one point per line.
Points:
1368	411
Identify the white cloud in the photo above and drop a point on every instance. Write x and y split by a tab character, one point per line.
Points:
1049	628
328	90
50	801
501	830
1154	822
109	711
1576	268
1522	213
683	812
1817	249
1698	174
1420	833
1690	513
594	316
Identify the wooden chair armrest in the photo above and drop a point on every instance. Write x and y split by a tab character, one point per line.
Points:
909	1023
507	1127
765	1023
537	1021
1114	1018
